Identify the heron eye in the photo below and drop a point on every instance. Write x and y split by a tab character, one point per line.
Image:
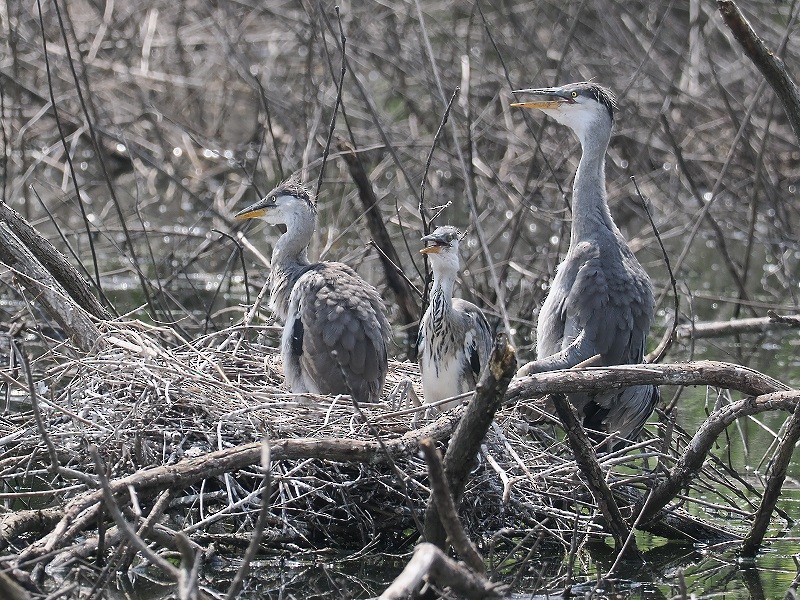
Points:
574	94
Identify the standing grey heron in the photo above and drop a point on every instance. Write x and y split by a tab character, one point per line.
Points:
455	340
335	331
601	299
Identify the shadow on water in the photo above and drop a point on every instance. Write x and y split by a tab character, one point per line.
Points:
672	570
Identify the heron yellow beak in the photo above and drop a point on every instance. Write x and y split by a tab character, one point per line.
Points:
431	250
257	209
540	104
249	214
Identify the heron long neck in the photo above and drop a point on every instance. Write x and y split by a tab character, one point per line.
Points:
442	293
289	262
590	210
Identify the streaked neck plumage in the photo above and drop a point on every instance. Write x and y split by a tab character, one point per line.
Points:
444	279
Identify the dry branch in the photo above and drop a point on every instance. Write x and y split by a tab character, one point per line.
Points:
776	475
701	372
696	451
772	67
790	320
463	448
261	522
430	564
409	310
75	321
36	521
54	262
81	510
10	590
446	509
713	329
595	479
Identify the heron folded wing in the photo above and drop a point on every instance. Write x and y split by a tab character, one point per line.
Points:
470	325
610	303
556	323
345	332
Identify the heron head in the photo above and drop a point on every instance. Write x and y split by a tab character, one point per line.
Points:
285	204
442	246
580	106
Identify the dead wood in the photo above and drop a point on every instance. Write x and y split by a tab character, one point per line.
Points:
791	320
400	286
71	317
127	529
773	395
261	523
15	523
776	475
463	448
11	590
446	509
771	66
672	523
54	262
701	372
80	511
696	451
595	479
696	331
430	565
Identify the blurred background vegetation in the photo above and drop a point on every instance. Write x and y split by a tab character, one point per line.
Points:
198	108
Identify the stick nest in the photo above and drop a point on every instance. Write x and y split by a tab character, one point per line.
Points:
146	401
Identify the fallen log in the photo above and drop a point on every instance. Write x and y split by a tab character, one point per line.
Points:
431	564
41	284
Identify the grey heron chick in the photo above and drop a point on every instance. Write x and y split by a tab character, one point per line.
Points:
601	299
335	331
455	340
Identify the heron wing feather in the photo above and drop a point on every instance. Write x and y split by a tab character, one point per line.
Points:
477	336
345	332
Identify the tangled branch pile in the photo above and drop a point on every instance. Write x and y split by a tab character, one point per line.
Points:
179	433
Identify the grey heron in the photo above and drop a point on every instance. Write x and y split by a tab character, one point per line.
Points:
335	330
601	299
455	340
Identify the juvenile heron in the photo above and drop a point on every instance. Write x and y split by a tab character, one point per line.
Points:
455	339
335	328
601	299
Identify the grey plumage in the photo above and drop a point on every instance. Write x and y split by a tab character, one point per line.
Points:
601	299
335	330
455	339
